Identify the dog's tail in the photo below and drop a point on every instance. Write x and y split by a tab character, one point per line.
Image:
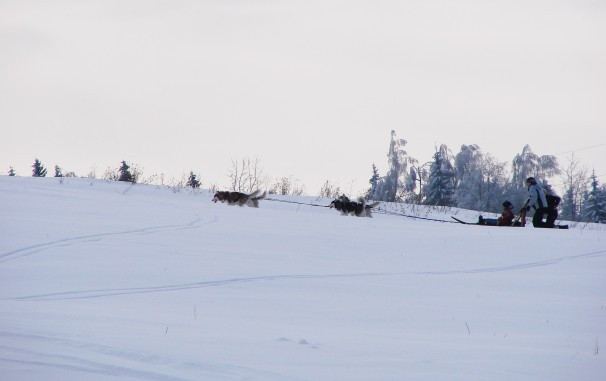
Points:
367	208
256	196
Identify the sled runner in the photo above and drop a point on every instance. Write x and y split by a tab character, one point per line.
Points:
486	222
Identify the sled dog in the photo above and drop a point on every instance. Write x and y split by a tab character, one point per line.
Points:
347	207
240	199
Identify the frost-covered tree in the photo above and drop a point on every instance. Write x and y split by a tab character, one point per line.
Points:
483	187
467	161
575	185
440	188
125	174
192	181
527	164
419	175
594	208
468	177
58	172
11	172
374	181
39	170
397	182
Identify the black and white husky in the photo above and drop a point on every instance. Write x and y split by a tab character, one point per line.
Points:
347	207
240	199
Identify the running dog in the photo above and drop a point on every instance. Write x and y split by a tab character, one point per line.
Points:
240	199
347	207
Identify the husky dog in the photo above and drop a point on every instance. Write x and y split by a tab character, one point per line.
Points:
240	199
347	207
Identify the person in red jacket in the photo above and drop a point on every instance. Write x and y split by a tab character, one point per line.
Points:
507	215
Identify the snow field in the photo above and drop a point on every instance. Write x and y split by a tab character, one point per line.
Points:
104	281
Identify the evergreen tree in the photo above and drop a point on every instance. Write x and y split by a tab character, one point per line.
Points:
125	174
11	172
569	206
192	181
39	170
594	208
440	189
58	172
374	181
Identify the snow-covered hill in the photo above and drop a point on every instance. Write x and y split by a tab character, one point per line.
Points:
109	281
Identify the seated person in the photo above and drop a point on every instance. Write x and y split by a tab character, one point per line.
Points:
507	215
506	219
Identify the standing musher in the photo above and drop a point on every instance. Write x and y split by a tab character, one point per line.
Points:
538	201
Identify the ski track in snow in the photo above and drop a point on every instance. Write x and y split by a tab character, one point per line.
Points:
139	290
29	250
81	364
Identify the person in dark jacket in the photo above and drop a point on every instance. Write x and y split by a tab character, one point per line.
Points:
538	202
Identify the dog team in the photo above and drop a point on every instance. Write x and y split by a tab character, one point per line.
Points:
343	204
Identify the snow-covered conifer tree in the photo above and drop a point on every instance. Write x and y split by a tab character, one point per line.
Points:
594	208
440	189
39	170
193	181
125	174
374	181
58	172
11	172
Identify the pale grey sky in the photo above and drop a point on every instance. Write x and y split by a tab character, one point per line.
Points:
311	88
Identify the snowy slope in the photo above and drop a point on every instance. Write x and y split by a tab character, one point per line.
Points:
109	281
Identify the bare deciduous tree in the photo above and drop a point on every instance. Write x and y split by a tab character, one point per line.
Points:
287	186
246	175
574	177
329	190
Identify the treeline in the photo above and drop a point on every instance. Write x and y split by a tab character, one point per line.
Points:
127	173
472	179
245	175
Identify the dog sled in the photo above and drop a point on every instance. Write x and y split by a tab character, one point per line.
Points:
493	222
518	221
